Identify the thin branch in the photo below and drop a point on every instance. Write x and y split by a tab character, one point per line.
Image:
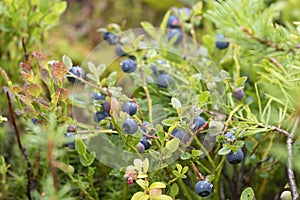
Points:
291	175
24	48
196	171
52	163
23	150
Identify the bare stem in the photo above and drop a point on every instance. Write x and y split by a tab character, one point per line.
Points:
23	150
292	180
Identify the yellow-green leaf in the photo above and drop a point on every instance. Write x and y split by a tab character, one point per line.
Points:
140	196
143	184
157	185
173	144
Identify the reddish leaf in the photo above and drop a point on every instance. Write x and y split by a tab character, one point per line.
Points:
64	94
59	70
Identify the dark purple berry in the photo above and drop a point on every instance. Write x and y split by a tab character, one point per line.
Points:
34	120
181	135
140	147
129	107
164	80
106	107
229	135
221	42
197	123
119	50
204	188
238	93
99	115
146	142
71	128
175	32
77	71
98	96
173	21
130	126
110	38
235	158
128	65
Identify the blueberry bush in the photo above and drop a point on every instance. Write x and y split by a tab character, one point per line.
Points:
200	104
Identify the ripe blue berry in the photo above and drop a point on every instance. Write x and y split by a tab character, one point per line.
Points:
175	32
71	128
77	71
98	96
238	93
229	135
164	80
197	123
221	43
145	142
34	120
173	21
204	188
129	108
235	158
140	147
185	13
128	65
106	107
181	135
145	129
110	38
70	140
99	115
130	126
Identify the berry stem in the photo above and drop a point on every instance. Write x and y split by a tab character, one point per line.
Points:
196	171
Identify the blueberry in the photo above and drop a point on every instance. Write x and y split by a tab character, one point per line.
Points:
34	120
235	158
229	135
106	107
181	135
238	93
99	115
145	142
220	42
140	147
204	188
164	80
197	123
70	140
130	126
128	65
77	71
110	38
98	96
173	21
129	108
119	50
71	128
175	32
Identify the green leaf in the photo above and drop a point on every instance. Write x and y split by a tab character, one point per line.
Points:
173	144
112	78
160	133
185	169
215	127
197	8
240	81
140	196
67	61
196	153
176	173
157	185
161	197
247	194
169	122
185	156
203	97
143	184
224	151
60	7
179	168
175	103
137	41
174	190
150	29
80	147
163	24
